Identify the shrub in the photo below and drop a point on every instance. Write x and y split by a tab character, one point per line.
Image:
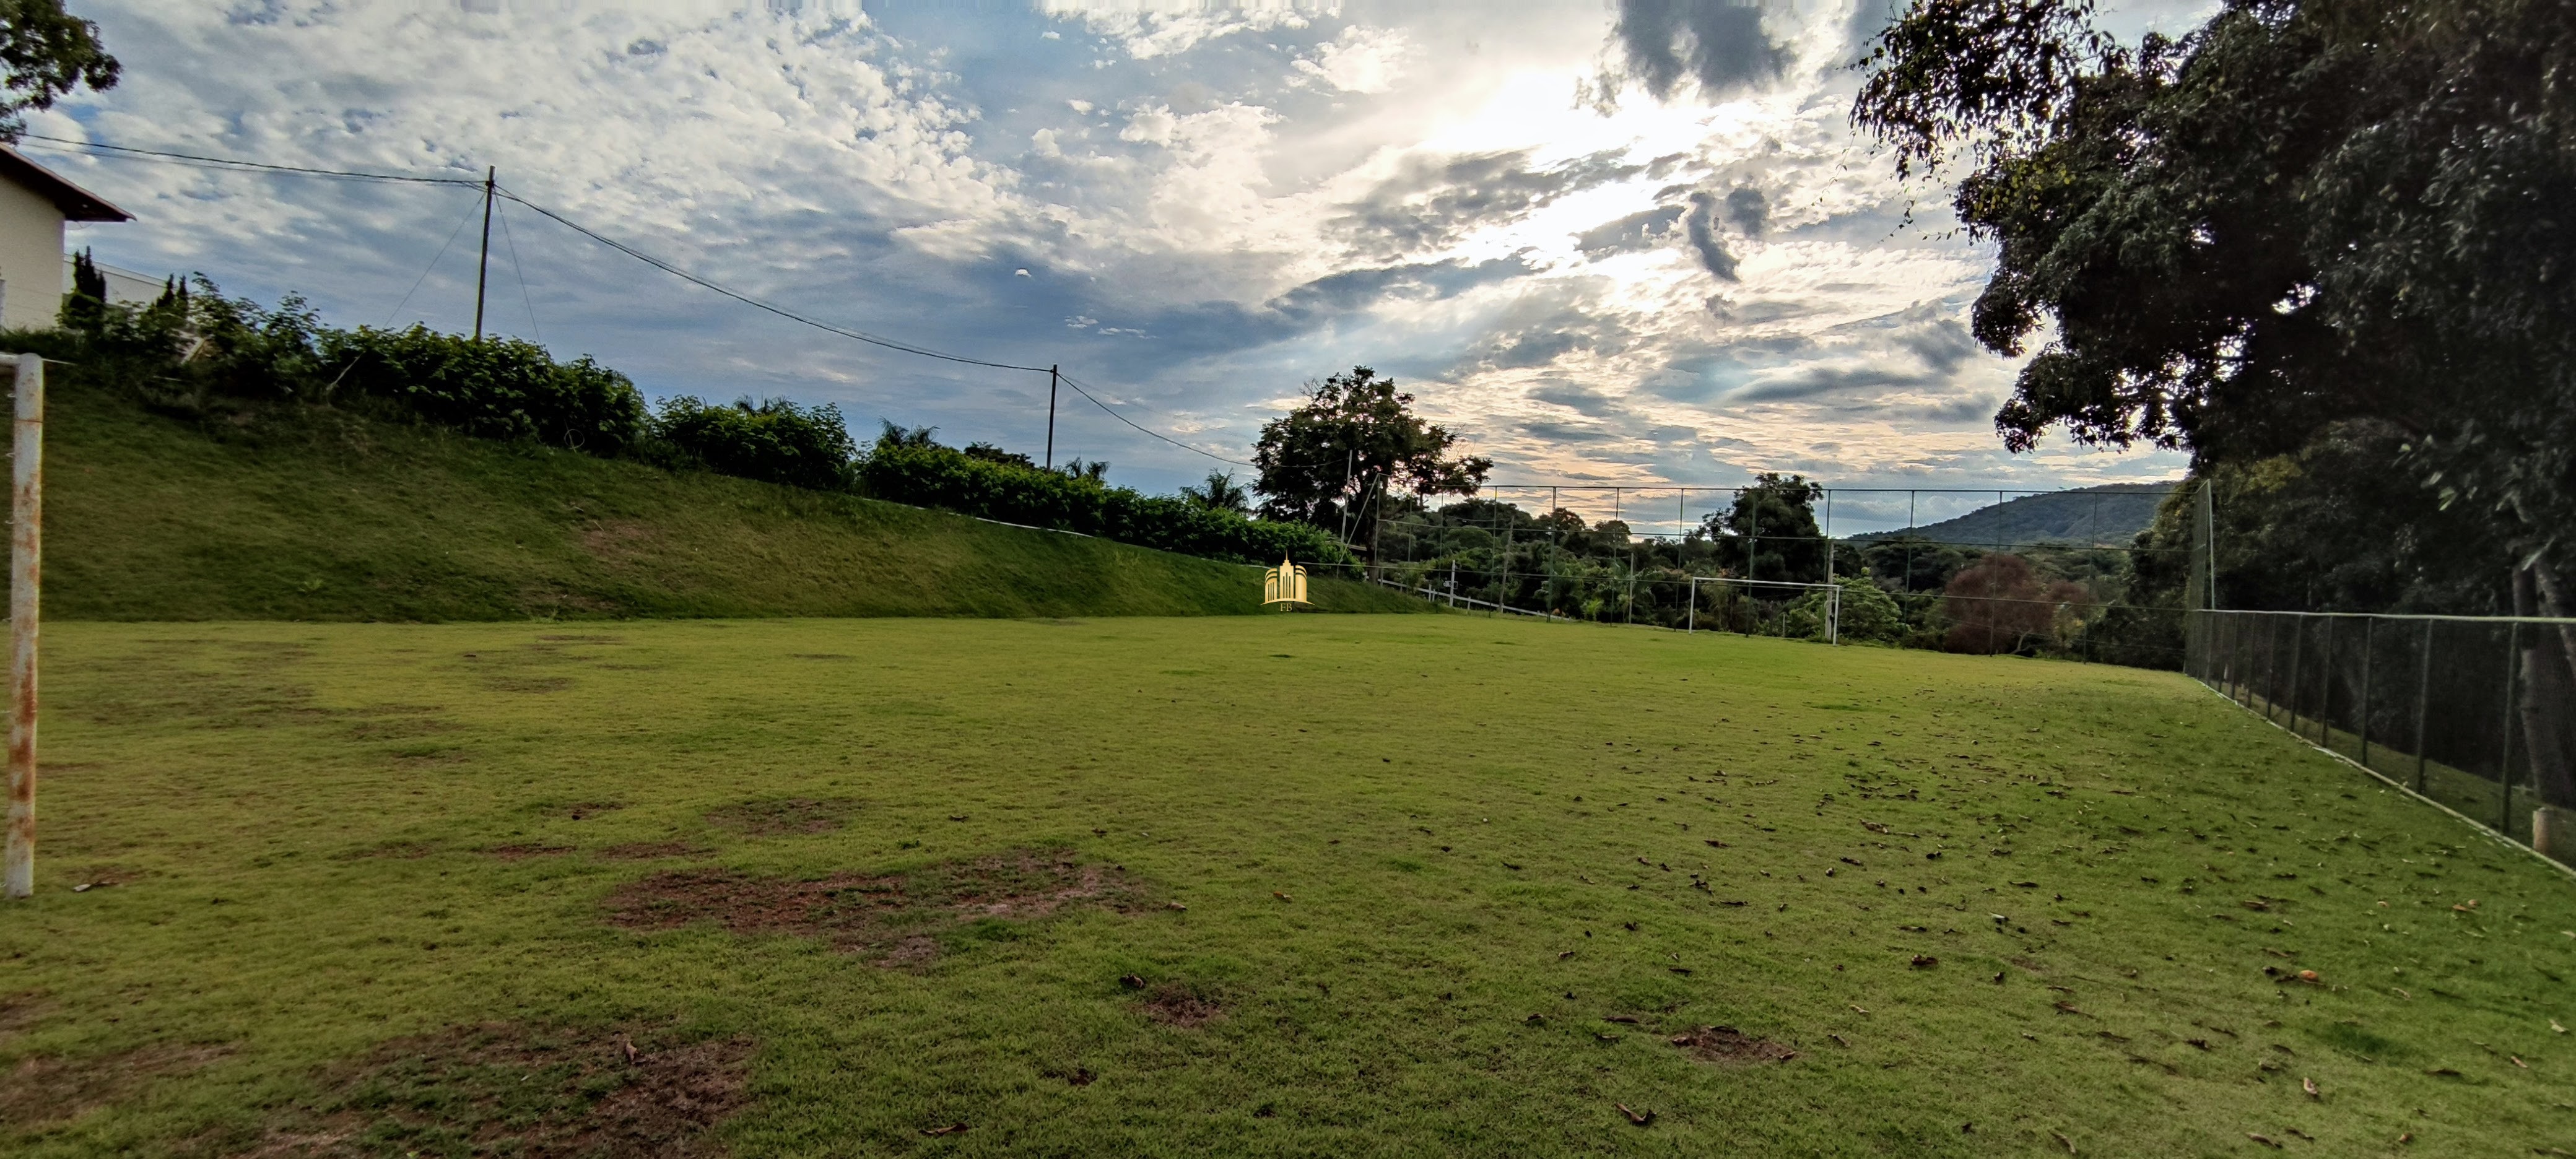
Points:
774	441
1869	614
498	388
923	473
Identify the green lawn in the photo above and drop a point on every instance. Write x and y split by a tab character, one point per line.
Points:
389	889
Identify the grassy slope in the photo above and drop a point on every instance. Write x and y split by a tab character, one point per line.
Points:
321	515
1448	803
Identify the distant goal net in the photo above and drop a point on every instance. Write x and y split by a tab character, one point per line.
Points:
1752	607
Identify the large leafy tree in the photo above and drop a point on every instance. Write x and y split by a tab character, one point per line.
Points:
2301	214
1770	531
1332	461
45	53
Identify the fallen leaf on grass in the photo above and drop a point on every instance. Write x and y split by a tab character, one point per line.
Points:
1717	845
1682	970
2406	1136
950	1129
958	817
628	1046
2265	1140
1562	955
1173	905
1281	896
1634	1117
2069	1008
1131	982
1840	1039
1629	1019
2554	1027
1858	1010
2070	1143
2517	1061
2310	1086
1925	961
1535	1019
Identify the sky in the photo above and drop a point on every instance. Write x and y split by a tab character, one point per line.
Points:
1631	243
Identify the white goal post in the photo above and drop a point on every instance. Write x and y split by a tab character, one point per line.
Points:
1833	599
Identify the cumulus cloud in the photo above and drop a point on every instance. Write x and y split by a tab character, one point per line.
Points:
1702	224
1644	229
1748	209
1718	45
1360	60
1432	201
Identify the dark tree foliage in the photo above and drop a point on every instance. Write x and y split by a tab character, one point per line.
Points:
2298	213
774	440
2302	213
1221	493
1333	461
85	308
46	53
2002	604
1770	531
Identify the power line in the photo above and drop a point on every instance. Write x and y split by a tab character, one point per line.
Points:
245	166
233	164
1077	386
748	300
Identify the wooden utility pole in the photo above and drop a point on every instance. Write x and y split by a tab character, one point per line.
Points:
1054	373
26	573
483	264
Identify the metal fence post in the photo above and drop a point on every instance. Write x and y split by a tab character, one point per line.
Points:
2423	704
26	575
2325	686
2298	656
2504	761
2369	629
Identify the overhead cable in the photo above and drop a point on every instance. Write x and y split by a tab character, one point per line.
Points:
249	166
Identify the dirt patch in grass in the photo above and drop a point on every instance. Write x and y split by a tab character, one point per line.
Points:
783	816
527	849
898	919
583	810
501	1089
1175	1004
20	1011
47	1088
1726	1045
647	850
399	850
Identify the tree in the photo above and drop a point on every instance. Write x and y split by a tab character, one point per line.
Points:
1220	493
47	53
85	308
2000	604
1770	531
1331	461
2300	213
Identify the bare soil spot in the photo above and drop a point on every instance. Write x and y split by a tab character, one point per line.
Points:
399	850
527	849
783	816
20	1011
583	810
903	919
1174	1004
1728	1046
647	850
509	1090
47	1088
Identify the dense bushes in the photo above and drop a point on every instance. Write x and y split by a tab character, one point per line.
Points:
497	388
774	441
912	470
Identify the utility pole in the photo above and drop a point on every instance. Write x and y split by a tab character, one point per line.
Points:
1052	376
483	264
26	573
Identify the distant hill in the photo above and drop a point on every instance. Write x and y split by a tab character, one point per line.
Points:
2111	515
290	512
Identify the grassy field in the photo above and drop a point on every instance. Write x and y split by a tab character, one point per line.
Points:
301	513
1286	885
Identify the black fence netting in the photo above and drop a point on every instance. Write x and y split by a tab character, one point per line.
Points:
2445	705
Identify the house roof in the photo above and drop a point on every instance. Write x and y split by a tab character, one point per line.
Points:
77	204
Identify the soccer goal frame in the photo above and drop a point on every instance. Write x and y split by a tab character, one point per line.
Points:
1833	600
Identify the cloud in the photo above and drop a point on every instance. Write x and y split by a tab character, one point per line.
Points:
1718	44
1357	289
1637	231
1748	209
1360	60
1702	224
1431	202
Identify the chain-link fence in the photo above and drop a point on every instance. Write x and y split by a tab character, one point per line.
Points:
2445	705
2044	573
